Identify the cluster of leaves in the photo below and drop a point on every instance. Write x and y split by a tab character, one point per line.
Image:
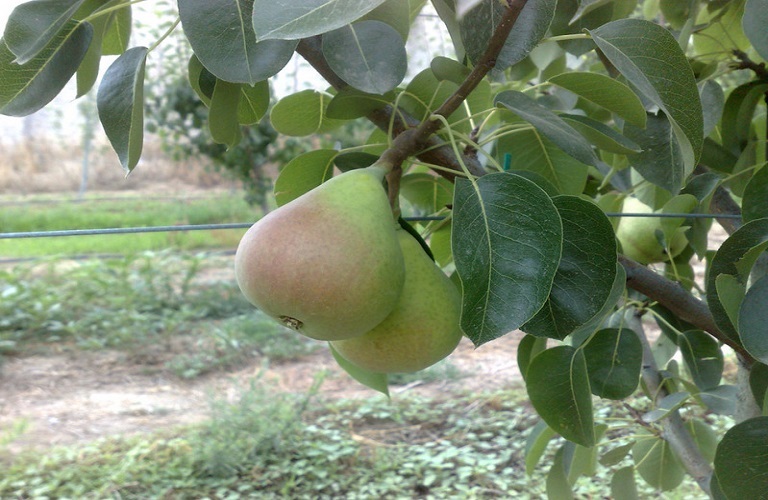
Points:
587	102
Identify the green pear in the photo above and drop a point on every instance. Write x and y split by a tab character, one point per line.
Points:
637	235
423	328
327	264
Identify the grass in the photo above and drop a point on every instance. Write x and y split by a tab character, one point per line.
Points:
129	212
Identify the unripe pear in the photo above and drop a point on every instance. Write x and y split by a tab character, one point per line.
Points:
637	235
327	264
422	329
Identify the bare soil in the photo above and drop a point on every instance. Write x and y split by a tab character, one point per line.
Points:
77	396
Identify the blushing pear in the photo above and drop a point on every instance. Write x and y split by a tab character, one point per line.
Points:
327	264
637	235
422	329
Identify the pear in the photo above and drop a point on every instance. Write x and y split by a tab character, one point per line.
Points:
423	328
327	264
637	235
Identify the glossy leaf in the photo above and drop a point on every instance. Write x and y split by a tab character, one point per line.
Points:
289	20
549	124
222	37
304	173
33	25
601	135
605	92
301	114
586	272
623	486
120	101
754	21
376	381
656	463
558	386
368	55
755	201
650	58
506	239
27	88
536	444
661	162
741	462
528	348
703	357
752	325
222	116
478	25
529	151
758	383
735	257
254	103
427	193
614	358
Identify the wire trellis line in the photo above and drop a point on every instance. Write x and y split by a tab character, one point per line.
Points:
246	225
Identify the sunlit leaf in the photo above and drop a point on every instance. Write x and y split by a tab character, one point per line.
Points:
304	173
507	239
222	116
290	20
558	386
120	102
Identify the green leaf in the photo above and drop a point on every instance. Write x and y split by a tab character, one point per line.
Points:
754	21
731	292
536	444
301	114
304	173
586	272
723	33
558	386
506	241
427	193
33	25
720	400
601	135
741	462
529	151
350	103
445	68
120	101
651	60
222	116
254	103
661	162
221	35
88	72
395	13
754	204
549	124
758	383
735	257
667	404
656	463
351	160
703	357
616	455
752	320
623	486
478	25
118	32
440	244
376	381
528	348
581	334
704	436
712	103
368	55
558	486
614	358
289	20
605	92
27	88
738	113
201	80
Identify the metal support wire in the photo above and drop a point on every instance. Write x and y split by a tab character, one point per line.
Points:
246	225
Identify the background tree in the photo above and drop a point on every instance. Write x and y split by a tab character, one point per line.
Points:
552	114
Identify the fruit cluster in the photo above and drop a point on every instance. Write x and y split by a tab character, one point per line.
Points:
334	265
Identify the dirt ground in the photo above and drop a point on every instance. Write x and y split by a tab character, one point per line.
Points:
82	396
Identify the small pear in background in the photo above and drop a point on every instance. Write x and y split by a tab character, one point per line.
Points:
422	329
327	264
637	235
